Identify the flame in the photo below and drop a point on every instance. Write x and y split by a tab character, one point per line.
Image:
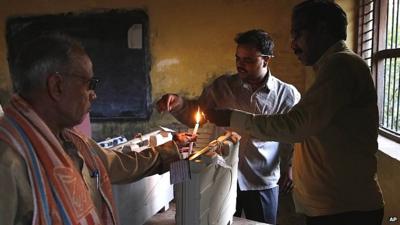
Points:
198	115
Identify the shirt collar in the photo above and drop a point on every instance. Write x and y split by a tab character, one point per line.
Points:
268	83
338	46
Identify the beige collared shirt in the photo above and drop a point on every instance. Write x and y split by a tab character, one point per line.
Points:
337	123
16	200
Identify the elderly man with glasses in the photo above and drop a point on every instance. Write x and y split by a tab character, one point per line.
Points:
50	173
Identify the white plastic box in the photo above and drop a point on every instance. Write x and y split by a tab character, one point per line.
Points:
209	197
137	202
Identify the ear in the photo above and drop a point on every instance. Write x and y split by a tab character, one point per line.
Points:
55	86
266	60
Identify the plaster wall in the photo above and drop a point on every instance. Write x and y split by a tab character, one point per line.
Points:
191	43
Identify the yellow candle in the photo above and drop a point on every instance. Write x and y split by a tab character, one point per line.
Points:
198	117
196	127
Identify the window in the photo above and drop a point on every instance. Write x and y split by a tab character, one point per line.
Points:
379	45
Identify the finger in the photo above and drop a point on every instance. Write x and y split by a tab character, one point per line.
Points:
288	187
170	103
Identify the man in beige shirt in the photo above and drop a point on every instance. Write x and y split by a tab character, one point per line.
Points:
336	122
50	173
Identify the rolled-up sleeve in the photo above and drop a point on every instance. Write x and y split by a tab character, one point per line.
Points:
132	166
333	91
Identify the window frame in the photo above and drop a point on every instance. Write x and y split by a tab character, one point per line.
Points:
378	54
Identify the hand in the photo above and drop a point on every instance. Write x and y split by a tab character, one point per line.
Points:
183	139
286	181
220	117
169	102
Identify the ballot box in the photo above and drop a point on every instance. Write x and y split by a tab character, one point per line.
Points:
208	196
138	201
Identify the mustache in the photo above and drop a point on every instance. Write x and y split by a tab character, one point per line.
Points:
241	68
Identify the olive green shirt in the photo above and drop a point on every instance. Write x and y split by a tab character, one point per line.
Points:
336	122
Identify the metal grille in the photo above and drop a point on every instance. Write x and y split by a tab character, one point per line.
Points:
391	79
391	95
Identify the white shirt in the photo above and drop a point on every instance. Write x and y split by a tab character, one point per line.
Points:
258	167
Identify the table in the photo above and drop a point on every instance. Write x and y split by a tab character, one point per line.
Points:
168	218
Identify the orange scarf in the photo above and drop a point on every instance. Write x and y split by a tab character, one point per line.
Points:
59	191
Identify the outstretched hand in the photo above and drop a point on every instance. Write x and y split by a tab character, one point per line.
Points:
220	117
183	139
169	102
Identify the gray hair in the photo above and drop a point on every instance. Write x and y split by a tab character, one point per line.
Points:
40	57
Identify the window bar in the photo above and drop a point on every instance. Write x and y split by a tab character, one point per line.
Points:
393	94
367	13
368	21
394	100
387	27
398	103
372	32
362	25
365	41
390	95
397	126
387	91
393	44
384	117
396	24
366	50
366	32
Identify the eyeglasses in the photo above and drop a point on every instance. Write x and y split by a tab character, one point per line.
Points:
91	81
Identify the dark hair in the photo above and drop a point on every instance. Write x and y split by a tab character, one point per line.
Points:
40	57
257	38
312	12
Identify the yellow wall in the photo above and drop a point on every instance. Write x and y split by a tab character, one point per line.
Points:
191	41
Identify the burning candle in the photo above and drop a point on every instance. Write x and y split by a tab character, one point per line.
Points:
196	127
198	116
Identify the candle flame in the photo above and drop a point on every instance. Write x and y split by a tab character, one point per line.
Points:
198	115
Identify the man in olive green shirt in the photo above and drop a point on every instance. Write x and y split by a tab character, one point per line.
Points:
336	122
